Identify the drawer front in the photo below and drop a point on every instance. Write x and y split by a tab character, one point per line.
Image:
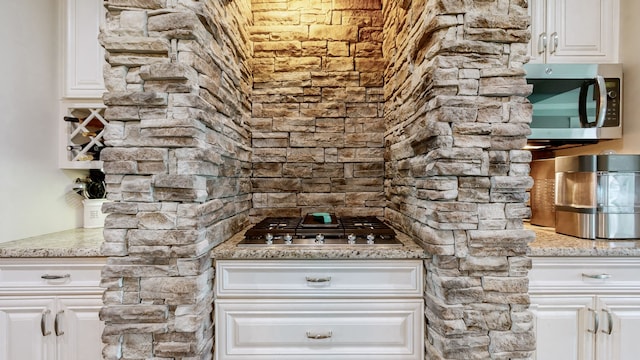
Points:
313	330
564	274
47	274
237	278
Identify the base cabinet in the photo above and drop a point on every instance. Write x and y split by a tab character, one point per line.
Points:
585	308
313	310
49	310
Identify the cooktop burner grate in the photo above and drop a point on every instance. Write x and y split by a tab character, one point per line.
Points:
312	230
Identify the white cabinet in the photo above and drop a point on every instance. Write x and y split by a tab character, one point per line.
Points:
574	31
49	309
312	310
83	55
591	304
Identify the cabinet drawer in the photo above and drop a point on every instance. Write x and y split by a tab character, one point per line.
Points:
313	330
45	274
584	274
239	278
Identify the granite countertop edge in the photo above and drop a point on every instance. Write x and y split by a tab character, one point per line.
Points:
74	243
548	243
82	242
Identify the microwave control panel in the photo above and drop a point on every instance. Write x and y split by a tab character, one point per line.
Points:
612	117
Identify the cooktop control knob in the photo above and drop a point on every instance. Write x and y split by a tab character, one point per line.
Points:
287	239
371	239
268	239
319	239
351	239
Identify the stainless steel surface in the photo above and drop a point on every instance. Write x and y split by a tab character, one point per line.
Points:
576	224
598	196
618	226
542	193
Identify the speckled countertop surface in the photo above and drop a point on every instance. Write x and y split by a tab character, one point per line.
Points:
230	250
86	243
69	243
550	243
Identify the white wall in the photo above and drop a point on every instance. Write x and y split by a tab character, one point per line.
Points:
36	197
630	59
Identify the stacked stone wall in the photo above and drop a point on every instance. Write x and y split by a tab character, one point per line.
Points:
177	168
455	177
317	121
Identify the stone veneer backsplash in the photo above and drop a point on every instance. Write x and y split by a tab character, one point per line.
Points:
222	112
317	122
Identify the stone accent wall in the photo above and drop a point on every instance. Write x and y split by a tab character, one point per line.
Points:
455	177
177	165
317	121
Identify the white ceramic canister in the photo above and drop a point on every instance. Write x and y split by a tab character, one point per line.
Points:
93	215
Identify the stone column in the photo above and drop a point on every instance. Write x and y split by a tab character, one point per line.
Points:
456	177
177	163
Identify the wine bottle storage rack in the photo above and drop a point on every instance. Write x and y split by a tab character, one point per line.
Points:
82	134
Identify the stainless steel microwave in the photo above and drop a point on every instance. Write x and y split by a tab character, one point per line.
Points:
575	102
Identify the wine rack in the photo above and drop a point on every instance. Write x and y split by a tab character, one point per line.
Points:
82	130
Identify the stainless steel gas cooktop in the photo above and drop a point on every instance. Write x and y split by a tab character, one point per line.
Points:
320	229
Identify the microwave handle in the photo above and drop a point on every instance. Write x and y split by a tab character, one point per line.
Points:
602	102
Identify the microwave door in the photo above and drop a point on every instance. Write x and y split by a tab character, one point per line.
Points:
597	96
565	109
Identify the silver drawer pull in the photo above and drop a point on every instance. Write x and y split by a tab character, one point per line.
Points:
596	321
55	277
56	325
43	323
609	321
318	279
597	276
318	336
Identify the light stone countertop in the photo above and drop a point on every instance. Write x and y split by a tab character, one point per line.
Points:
69	243
86	243
550	243
230	250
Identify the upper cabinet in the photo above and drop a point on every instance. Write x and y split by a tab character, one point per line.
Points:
574	31
83	55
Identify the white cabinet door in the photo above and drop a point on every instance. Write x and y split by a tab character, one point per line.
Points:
620	326
563	325
539	36
574	31
83	54
78	328
26	329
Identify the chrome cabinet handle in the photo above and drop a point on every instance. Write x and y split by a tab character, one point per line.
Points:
318	336
56	324
318	279
55	277
542	43
596	322
609	322
43	323
554	40
597	276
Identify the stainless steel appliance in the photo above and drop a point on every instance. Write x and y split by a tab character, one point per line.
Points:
575	102
321	229
598	196
542	193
